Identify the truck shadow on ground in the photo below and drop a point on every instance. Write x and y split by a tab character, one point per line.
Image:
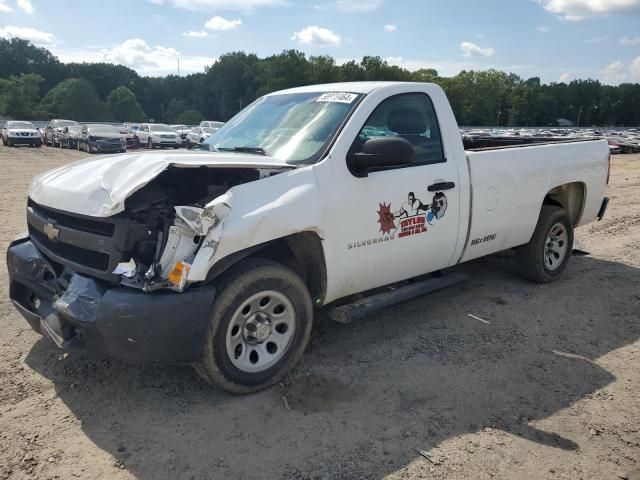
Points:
367	395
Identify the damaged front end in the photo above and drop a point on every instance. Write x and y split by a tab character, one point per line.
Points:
194	231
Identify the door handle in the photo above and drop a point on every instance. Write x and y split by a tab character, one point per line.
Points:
441	186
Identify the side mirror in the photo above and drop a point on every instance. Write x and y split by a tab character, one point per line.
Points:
381	152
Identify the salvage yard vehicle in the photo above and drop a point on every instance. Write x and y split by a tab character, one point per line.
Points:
198	135
154	135
20	133
69	136
54	129
211	124
346	196
99	138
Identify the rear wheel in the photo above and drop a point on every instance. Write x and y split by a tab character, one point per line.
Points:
260	325
545	257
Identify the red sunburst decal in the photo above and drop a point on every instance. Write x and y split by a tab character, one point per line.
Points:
386	219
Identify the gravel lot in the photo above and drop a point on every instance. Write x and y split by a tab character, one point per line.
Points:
548	387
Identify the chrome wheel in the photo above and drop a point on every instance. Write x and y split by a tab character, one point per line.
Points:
556	246
260	331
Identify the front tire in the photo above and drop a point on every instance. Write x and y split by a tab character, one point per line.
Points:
545	257
259	327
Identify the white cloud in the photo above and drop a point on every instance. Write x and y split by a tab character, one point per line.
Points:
37	37
635	69
390	27
221	23
139	55
4	7
614	73
241	5
543	29
630	41
576	10
565	78
195	34
472	50
317	37
26	6
358	6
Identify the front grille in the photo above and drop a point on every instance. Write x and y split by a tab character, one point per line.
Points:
106	229
96	260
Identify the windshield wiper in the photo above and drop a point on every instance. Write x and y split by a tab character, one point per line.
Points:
254	150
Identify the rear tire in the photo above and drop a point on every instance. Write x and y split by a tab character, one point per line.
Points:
260	326
545	257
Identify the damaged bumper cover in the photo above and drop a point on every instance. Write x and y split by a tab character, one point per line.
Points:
81	314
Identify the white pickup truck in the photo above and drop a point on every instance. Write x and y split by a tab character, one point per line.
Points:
307	197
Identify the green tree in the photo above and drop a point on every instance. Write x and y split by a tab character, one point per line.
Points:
74	99
19	96
190	117
123	106
175	109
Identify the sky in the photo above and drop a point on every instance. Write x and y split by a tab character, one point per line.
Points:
556	40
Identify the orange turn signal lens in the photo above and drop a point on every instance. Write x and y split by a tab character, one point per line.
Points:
180	270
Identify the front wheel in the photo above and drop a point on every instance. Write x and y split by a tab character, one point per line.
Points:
260	325
545	257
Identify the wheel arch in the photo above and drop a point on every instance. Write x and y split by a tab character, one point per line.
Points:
302	252
571	197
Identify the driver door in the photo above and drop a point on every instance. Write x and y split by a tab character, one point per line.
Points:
398	223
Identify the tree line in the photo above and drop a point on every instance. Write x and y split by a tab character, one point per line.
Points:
35	85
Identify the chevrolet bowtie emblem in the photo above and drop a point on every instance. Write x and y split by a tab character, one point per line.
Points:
51	232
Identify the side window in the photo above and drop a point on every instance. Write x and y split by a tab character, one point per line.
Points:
410	116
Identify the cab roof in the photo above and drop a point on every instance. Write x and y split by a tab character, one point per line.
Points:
350	87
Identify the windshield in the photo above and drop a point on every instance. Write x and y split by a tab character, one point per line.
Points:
74	129
293	127
20	125
104	130
160	128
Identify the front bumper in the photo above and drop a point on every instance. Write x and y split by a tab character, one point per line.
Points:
25	140
106	147
81	314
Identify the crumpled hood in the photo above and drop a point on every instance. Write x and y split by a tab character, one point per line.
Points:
99	186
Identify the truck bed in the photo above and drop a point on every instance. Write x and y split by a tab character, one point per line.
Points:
509	183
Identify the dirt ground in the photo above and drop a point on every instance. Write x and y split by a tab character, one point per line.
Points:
546	386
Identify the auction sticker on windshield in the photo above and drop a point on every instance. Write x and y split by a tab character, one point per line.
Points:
337	97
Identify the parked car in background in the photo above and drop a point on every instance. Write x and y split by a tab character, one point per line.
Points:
130	137
158	135
210	124
183	131
69	136
54	129
198	135
101	139
20	133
